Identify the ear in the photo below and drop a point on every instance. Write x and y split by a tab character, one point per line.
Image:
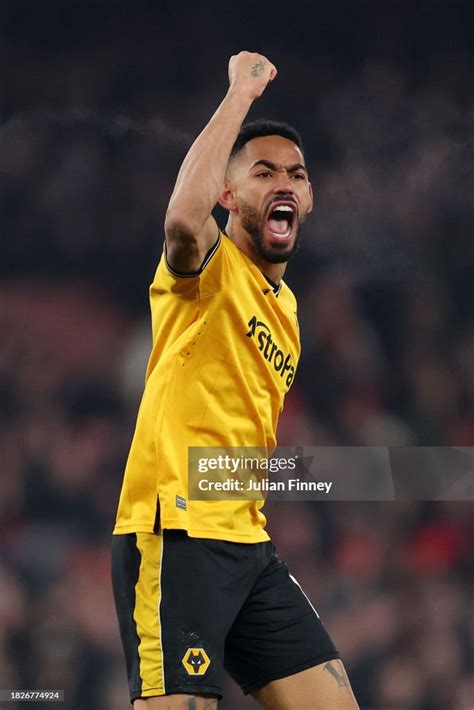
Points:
226	198
310	197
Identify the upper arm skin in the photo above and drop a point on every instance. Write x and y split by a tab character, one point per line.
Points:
186	247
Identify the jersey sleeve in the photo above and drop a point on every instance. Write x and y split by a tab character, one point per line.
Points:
176	300
207	280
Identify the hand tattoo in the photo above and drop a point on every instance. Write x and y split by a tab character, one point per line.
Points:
257	69
339	674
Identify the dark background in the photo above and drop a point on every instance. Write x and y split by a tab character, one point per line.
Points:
99	102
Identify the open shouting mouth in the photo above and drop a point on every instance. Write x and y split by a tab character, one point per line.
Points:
281	218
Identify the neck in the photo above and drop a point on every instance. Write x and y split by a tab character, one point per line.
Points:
241	238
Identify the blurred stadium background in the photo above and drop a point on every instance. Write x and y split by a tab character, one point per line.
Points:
98	104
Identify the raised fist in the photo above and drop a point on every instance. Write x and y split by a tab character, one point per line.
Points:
249	73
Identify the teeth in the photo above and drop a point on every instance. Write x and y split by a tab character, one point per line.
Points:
283	208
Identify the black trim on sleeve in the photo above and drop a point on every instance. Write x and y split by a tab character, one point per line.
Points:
207	258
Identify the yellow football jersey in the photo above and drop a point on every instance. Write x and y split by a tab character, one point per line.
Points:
225	350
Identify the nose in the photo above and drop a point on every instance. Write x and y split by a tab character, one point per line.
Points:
283	183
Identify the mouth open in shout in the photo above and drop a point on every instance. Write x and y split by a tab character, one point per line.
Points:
281	219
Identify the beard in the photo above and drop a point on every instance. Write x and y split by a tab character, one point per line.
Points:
253	223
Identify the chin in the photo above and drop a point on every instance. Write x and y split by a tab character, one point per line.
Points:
277	253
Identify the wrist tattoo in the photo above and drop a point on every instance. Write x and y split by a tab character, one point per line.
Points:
257	69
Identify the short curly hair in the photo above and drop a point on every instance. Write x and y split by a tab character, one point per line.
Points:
263	127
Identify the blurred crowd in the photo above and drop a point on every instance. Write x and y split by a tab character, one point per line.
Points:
384	281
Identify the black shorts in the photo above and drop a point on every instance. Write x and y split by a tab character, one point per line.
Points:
188	608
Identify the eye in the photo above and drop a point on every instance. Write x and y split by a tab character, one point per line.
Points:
299	176
264	174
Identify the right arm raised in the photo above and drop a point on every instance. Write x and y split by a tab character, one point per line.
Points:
190	229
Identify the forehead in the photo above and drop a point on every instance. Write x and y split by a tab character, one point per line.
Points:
275	149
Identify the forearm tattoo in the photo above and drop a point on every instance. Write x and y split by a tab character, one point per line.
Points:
257	69
337	672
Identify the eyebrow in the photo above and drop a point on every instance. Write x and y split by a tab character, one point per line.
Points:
271	166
